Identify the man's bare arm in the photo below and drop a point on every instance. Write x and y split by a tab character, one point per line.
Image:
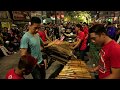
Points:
115	74
23	51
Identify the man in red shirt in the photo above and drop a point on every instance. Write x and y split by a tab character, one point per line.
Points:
109	63
85	30
43	35
80	44
25	67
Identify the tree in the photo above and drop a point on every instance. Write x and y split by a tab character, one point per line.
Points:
79	16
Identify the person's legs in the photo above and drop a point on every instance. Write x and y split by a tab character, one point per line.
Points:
36	73
5	49
15	46
44	56
42	72
82	54
4	52
39	72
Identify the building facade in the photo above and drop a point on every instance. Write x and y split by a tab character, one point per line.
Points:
103	16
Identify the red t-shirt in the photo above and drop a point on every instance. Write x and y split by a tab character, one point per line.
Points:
12	75
109	58
85	30
42	35
81	35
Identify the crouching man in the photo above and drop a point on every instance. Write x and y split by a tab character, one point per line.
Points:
25	66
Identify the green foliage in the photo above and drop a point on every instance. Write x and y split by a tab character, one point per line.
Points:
94	53
79	16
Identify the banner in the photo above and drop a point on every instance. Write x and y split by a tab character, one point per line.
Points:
21	15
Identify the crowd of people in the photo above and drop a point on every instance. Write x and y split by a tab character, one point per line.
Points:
36	36
9	41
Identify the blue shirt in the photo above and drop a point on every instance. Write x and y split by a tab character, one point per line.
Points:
111	31
32	43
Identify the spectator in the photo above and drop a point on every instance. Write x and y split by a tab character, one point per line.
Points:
111	30
3	49
56	32
117	33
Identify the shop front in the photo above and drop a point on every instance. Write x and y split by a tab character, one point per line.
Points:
21	18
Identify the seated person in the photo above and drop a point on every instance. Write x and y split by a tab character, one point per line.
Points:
2	48
25	66
5	51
